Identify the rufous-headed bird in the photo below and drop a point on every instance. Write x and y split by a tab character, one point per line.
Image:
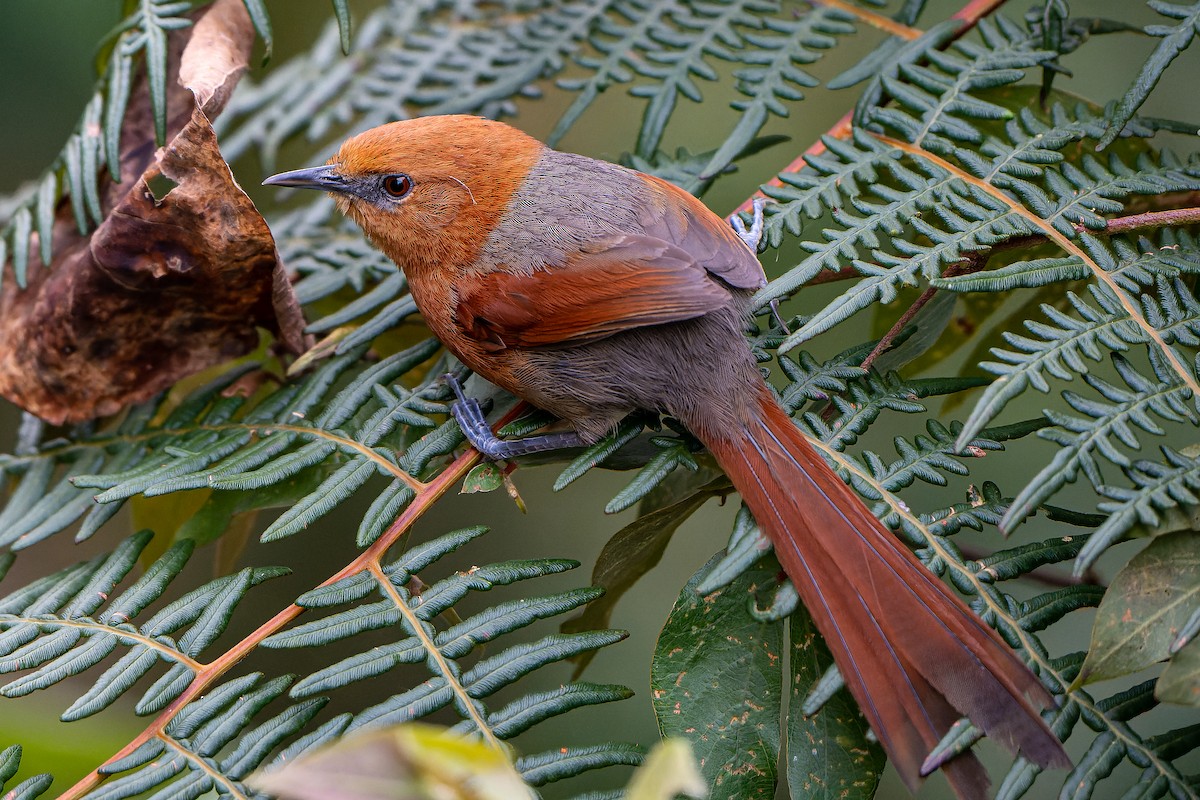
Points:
591	290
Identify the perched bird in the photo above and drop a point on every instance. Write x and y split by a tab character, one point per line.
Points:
591	290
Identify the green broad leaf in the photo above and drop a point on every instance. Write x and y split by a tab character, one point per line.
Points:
638	547
406	762
166	515
668	771
1180	681
716	679
829	755
486	477
1148	603
927	327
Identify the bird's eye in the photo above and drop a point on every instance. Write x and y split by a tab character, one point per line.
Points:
397	185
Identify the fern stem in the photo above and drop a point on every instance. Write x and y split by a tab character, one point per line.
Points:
1050	232
885	24
358	447
974	11
967	16
343	442
92	627
1152	219
227	788
369	559
467	703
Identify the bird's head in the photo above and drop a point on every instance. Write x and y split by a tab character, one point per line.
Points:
427	191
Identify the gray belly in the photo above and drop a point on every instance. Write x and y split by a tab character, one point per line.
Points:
700	371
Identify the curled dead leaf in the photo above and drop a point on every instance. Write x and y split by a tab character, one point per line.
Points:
164	287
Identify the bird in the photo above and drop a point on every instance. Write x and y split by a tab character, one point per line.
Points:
591	291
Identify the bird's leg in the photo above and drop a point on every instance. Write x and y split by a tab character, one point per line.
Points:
752	236
470	418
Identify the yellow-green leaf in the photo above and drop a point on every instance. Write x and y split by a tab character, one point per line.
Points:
1145	608
668	771
406	762
716	679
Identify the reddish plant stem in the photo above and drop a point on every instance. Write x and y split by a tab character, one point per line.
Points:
1151	219
208	674
885	342
885	24
977	261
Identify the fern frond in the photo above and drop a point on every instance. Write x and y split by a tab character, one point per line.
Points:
622	36
936	104
699	31
1014	562
808	380
329	253
227	444
414	613
210	744
35	786
935	112
1059	350
144	31
1100	427
844	169
948	161
552	765
673	452
410	57
140	38
69	622
1158	490
772	75
1174	39
1016	621
926	458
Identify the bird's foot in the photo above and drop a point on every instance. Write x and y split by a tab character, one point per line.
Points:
752	235
469	414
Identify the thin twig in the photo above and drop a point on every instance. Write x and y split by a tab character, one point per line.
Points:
1064	243
885	342
1151	219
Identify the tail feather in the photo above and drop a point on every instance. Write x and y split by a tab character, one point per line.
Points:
912	654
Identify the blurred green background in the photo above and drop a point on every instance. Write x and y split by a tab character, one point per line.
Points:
47	53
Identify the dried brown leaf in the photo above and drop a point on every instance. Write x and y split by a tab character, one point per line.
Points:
164	287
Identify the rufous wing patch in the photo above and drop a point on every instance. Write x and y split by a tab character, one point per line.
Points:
635	281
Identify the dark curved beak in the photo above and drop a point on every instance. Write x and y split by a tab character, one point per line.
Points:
325	179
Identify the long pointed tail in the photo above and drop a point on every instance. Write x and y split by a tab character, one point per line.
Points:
912	654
